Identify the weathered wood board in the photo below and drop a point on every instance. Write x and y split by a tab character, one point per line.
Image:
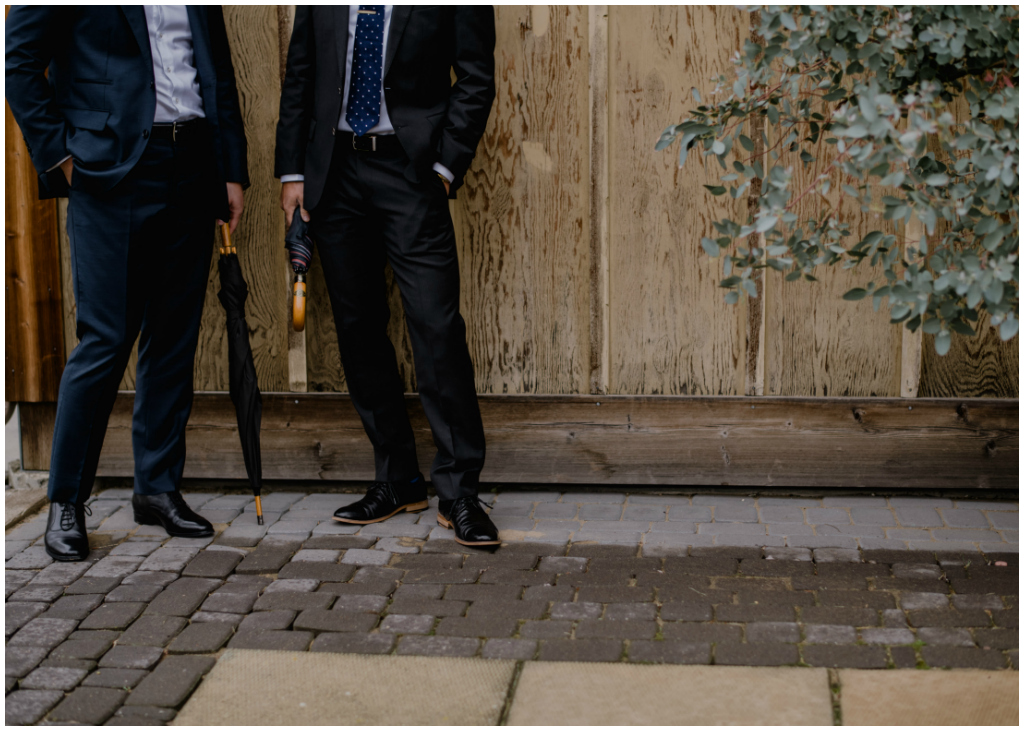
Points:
33	338
680	440
670	331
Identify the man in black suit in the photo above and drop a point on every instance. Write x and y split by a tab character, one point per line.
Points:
373	138
138	124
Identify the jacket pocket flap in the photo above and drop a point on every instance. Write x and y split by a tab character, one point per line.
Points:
94	119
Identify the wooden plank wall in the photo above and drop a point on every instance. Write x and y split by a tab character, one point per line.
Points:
581	264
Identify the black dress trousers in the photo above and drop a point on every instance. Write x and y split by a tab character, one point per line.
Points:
370	214
140	259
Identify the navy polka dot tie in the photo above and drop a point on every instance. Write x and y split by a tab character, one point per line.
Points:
367	60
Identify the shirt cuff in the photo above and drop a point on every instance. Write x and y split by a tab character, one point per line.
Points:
445	172
296	178
60	163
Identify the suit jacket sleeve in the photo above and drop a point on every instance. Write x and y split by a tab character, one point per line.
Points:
296	97
236	166
473	92
34	32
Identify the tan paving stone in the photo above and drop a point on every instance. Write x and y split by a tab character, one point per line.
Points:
618	694
922	697
298	689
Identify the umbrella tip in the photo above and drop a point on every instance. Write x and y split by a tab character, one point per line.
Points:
259	520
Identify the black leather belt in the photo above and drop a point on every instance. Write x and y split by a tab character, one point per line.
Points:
178	131
369	143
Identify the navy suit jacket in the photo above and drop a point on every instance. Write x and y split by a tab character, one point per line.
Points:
100	98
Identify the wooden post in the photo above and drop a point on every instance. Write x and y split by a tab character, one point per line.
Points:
910	354
600	352
34	355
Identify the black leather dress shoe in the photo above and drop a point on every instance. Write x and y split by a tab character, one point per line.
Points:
66	539
170	510
384	499
472	525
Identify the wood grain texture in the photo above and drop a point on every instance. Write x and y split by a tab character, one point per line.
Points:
36	425
253	37
634	440
670	330
600	275
34	330
817	343
522	219
978	367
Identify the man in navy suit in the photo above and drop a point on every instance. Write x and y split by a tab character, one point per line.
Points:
138	124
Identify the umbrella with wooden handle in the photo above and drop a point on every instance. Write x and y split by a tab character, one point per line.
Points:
300	251
243	386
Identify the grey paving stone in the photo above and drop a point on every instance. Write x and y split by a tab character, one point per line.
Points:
745	512
624	629
868	544
509	649
152	630
750	529
820	541
26	707
886	636
142	715
944	656
628	538
227	618
835	516
171	682
323	620
113	616
360	603
280	619
579	610
765	632
672	528
366	557
182	597
689	514
59	574
961	534
663	652
630	611
554	510
836	555
923	600
354	642
122	678
13	548
154	578
124	656
970	601
1001	520
63	679
527	496
594	497
212	564
782	514
42	632
644	512
322	555
90	706
588	650
873	516
477	626
230	602
830	634
418	624
264	561
781	553
133	593
333	528
945	636
17	615
26	532
294	600
86	645
438	646
92	585
19	661
34	557
790	529
918	517
318	571
244	536
964	518
292	585
169	558
203	637
600	511
397	530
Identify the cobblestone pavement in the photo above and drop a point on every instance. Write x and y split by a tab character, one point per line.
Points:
864	582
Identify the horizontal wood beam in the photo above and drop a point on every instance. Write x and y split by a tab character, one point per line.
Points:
632	440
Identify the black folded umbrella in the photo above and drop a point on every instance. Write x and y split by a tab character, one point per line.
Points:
245	391
300	251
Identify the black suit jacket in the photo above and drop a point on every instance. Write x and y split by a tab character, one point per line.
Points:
435	120
99	100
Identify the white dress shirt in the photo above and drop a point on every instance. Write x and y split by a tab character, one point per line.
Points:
384	126
174	70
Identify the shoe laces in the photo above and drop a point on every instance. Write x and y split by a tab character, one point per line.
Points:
470	507
68	517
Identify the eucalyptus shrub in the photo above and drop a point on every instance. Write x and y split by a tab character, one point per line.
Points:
875	83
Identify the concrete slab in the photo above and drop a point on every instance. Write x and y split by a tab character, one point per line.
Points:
561	693
20	503
922	698
303	689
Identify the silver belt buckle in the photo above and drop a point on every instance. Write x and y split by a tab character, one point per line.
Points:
373	144
174	131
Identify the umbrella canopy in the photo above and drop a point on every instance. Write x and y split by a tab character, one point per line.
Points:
245	391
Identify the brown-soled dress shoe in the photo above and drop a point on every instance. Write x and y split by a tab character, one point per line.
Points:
66	539
384	499
170	510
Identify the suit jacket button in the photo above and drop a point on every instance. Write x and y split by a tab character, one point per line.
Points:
145	134
335	129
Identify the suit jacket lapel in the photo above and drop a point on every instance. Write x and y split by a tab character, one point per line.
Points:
202	53
136	18
399	18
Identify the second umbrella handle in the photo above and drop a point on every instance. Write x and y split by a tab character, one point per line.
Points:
225	234
299	303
